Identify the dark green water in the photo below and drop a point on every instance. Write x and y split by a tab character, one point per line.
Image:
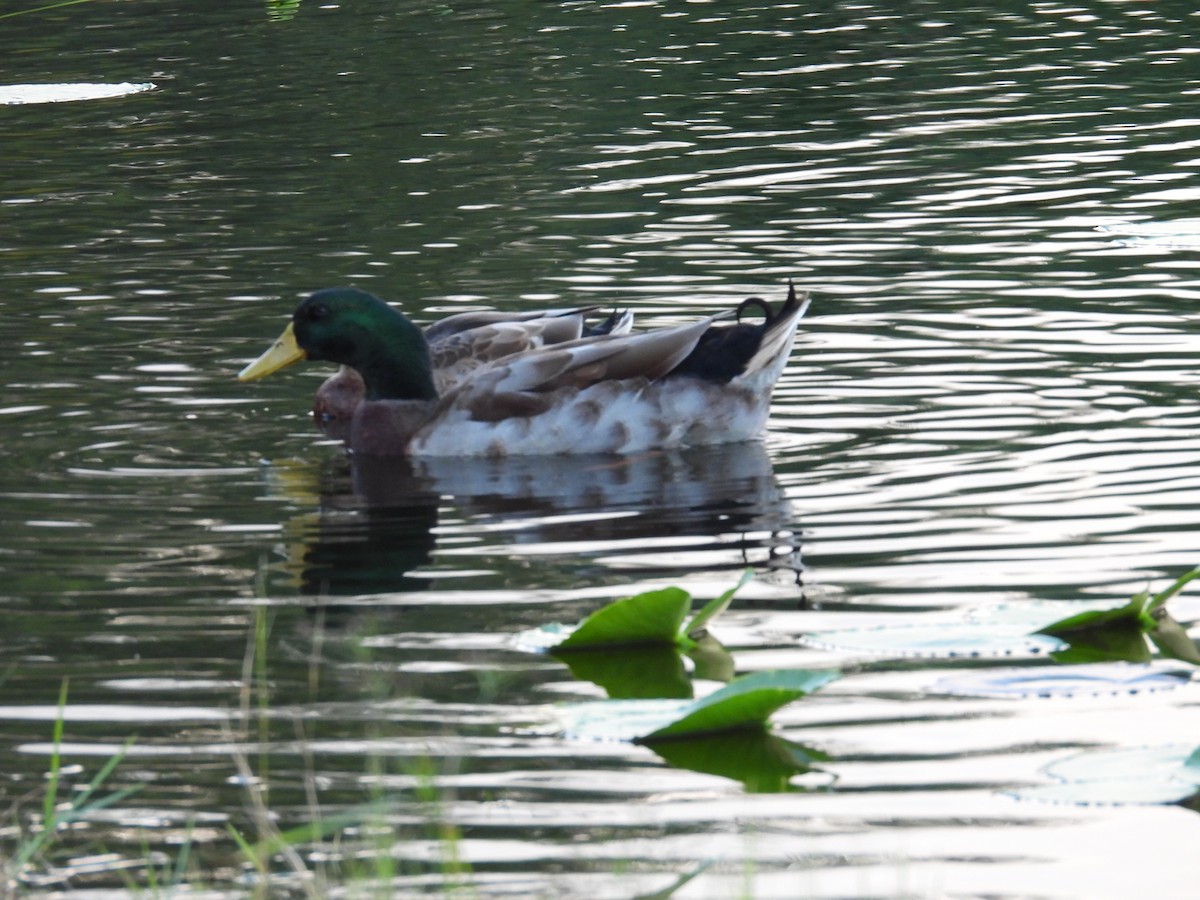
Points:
993	403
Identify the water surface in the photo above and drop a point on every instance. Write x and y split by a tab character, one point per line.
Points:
993	403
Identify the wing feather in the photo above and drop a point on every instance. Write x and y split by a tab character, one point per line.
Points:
648	355
459	322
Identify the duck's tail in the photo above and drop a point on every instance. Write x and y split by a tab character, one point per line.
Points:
726	352
778	330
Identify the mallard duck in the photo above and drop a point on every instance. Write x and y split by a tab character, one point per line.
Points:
702	383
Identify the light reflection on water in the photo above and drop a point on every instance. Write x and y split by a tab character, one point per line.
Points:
994	402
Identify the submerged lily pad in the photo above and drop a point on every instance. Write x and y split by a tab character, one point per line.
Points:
946	640
1141	776
1097	680
1130	792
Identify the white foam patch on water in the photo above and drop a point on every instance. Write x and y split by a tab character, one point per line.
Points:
13	94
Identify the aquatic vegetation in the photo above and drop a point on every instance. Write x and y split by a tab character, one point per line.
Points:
1100	632
745	704
44	8
1121	632
652	618
1078	680
635	646
35	841
727	733
1141	776
282	10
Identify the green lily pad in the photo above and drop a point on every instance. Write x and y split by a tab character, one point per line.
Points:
1098	633
1134	792
1138	611
647	619
1121	632
652	618
633	647
1123	640
743	705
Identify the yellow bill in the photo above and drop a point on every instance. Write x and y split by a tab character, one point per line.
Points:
279	355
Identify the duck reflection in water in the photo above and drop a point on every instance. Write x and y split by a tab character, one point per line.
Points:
671	512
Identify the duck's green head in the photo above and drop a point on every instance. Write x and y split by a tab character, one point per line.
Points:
356	329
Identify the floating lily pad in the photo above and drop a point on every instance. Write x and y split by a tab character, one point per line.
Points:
744	704
647	619
632	647
946	640
617	720
1134	791
1141	776
1094	632
1122	640
11	94
1167	761
1140	609
1097	680
1120	632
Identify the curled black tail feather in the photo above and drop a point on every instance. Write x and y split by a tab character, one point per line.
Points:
752	302
724	351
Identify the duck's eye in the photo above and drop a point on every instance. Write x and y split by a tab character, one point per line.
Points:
317	312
